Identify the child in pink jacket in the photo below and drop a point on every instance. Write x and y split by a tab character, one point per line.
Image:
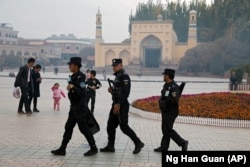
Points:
57	94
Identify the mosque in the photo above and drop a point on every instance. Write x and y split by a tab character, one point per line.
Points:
152	44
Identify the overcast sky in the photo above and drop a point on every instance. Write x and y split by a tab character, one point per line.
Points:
42	18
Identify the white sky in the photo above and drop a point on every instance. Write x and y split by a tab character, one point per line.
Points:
42	18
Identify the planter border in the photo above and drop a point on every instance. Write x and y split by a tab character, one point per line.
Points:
194	120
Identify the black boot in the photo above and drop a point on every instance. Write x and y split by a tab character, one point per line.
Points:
184	146
92	151
160	149
61	150
35	110
138	147
109	148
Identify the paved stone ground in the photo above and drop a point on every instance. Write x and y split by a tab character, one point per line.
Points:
26	141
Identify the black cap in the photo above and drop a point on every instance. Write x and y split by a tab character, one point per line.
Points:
75	60
115	62
169	72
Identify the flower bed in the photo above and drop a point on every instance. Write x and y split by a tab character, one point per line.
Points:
221	105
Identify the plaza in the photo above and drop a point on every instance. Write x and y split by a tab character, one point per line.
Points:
26	140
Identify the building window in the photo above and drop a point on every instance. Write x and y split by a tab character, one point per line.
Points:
68	47
6	35
192	18
0	34
42	51
77	47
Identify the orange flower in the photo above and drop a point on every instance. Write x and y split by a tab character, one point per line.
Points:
209	105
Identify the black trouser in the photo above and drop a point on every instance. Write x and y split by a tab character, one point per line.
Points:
168	119
34	101
233	86
114	121
24	100
77	115
91	96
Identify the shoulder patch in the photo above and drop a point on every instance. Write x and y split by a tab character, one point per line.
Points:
82	84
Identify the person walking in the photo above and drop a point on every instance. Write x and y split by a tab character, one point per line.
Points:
120	107
55	70
233	81
24	81
57	94
78	110
36	78
169	106
92	84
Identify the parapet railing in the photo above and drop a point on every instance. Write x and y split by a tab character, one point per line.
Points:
239	87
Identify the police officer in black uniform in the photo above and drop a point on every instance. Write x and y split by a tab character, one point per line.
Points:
120	107
169	105
78	110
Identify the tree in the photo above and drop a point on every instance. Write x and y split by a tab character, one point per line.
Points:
217	65
216	57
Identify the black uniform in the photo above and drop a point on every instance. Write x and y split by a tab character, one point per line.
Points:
78	113
169	105
36	94
91	93
120	96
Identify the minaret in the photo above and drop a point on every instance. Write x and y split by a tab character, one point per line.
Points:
98	40
192	31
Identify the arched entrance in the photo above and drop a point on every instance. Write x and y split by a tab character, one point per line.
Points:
109	55
124	55
151	47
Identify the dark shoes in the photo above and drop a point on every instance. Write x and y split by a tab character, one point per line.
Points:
58	152
108	148
184	146
138	148
35	110
159	149
91	152
28	112
21	112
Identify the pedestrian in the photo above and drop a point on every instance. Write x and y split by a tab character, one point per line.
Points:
55	70
43	69
120	107
92	84
78	112
169	106
104	75
57	94
24	81
36	78
233	81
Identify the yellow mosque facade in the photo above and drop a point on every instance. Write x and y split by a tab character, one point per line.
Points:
152	44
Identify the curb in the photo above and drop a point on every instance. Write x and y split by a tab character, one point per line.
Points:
194	120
